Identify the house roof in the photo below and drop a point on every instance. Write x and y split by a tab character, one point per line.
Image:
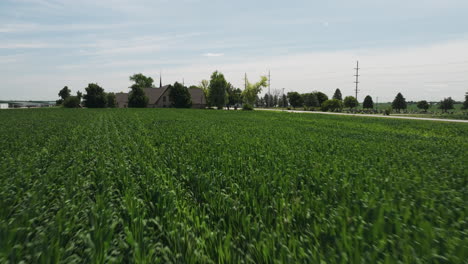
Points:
198	96
154	93
121	97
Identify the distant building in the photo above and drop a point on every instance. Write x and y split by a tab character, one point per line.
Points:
159	98
25	104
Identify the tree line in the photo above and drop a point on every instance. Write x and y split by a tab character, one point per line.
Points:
96	97
318	100
220	93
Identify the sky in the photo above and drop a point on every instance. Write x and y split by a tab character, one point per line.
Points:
417	47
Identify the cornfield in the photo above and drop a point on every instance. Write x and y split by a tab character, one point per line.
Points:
199	186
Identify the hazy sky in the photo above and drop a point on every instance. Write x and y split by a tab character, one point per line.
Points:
417	47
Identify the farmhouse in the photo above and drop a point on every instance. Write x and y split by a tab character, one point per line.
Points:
159	97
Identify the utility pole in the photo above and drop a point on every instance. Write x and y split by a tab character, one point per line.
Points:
245	81
377	103
282	100
269	94
183	82
357	78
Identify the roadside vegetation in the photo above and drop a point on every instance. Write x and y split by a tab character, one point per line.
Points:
221	94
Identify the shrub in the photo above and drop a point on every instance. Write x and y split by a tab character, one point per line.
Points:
71	102
332	105
247	107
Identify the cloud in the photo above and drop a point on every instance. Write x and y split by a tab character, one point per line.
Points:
213	54
415	71
429	72
32	27
37	45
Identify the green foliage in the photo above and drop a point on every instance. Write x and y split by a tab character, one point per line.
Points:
332	105
217	90
284	101
95	96
64	93
337	95
295	99
234	95
247	107
180	96
137	97
267	100
178	186
311	100
142	81
204	85
249	95
446	104
465	103
111	101
350	102
71	102
368	103
321	97
424	105
399	102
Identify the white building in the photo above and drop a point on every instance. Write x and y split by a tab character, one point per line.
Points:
3	105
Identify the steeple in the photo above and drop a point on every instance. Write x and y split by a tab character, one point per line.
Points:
160	80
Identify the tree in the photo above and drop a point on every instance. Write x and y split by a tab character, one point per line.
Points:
337	95
204	85
79	95
267	100
251	91
71	102
350	102
310	100
465	104
142	81
111	101
95	96
424	105
275	100
321	97
295	99
180	96
137	97
64	93
368	103
217	91
276	97
284	99
399	102
446	104
332	105
234	96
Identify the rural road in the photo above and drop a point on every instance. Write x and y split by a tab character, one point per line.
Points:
368	115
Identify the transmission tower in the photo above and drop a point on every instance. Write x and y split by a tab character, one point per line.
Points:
357	78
